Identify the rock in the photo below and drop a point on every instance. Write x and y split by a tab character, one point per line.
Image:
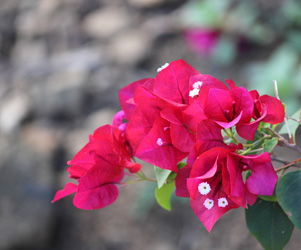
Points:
106	22
29	53
14	108
129	47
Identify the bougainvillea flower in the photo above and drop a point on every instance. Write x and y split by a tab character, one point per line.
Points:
229	108
98	167
263	176
202	41
208	198
266	109
215	182
150	107
97	188
215	101
156	147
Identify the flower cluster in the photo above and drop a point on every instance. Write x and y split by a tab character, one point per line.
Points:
180	114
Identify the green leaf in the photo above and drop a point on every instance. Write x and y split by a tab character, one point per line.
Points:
293	125
181	165
289	196
269	197
163	195
269	144
161	175
269	224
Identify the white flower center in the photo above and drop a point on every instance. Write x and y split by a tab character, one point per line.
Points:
196	89
163	67
222	202
197	85
208	203
194	92
204	188
159	142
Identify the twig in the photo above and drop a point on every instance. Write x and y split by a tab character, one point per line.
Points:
274	158
293	119
285	120
284	142
288	165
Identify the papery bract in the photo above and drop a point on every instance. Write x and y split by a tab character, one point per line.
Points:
98	167
266	109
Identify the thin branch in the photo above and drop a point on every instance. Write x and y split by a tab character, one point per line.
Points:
283	142
281	160
293	119
285	120
288	165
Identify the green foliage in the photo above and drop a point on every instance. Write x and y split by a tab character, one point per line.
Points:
269	224
269	198
163	195
289	196
161	175
269	144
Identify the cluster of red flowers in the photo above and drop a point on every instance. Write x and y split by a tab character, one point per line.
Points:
180	114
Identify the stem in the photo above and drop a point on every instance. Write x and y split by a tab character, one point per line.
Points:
231	135
285	120
288	165
245	152
293	119
284	142
257	142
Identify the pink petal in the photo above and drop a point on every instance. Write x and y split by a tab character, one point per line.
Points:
275	109
263	178
181	138
230	124
209	216
69	188
217	103
181	181
165	156
96	198
172	82
127	93
118	118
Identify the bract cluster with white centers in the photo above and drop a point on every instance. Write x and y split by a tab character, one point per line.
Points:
208	203
204	188
159	142
163	67
222	202
196	89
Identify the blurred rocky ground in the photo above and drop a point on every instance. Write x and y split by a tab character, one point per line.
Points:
62	63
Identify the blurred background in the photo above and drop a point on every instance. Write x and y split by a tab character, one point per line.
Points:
62	63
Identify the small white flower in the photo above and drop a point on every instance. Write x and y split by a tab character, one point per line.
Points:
163	67
197	85
194	92
222	202
159	142
204	188
208	203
